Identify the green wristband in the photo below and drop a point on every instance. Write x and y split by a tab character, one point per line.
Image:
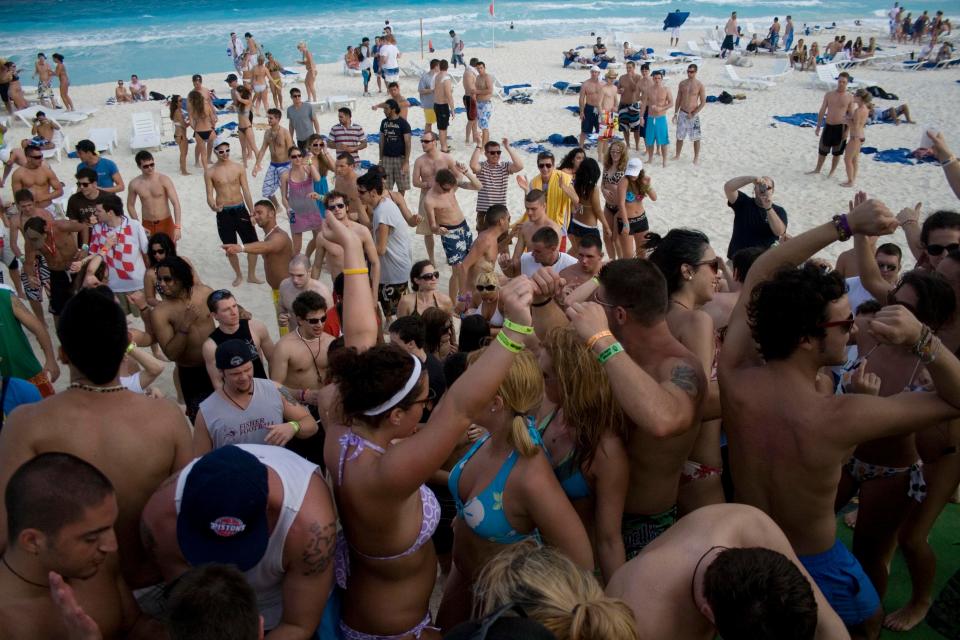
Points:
609	352
519	328
295	425
508	344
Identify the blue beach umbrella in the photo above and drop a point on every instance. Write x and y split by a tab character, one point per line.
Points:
675	19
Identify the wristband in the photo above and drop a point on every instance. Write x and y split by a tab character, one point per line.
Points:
595	280
542	304
519	328
609	352
131	347
843	227
85	247
295	425
596	337
949	160
356	272
508	344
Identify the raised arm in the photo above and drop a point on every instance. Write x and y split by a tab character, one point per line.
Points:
516	162
475	159
870	276
731	188
909	219
951	167
359	324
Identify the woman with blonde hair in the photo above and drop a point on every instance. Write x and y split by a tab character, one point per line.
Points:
614	166
555	592
857	118
202	120
584	439
812	57
487	300
505	489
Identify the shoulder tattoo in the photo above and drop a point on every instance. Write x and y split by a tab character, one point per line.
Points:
318	553
685	377
288	396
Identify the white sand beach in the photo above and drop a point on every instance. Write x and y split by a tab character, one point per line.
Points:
739	139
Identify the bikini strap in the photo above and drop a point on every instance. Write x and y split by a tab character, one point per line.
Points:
351	439
507	467
454	480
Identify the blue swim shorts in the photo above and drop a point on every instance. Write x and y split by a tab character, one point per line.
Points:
656	131
843	583
457	242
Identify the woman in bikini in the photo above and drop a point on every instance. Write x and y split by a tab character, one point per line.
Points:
487	300
201	119
504	487
424	279
692	271
180	124
613	167
856	121
299	198
440	336
583	433
261	80
381	457
276	81
587	215
812	57
248	145
632	223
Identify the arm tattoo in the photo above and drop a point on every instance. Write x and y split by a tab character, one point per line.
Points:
685	377
318	554
288	396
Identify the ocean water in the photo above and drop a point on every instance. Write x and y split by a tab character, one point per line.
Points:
104	40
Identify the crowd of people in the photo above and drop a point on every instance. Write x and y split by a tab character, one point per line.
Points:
595	432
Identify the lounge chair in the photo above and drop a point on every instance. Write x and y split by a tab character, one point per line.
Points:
105	139
781	69
60	116
335	102
145	130
714	47
562	87
61	146
826	77
746	83
347	71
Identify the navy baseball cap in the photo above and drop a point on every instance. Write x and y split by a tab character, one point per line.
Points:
234	353
223	510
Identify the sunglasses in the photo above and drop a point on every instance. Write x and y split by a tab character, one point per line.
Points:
434	275
603	303
339	205
938	249
158	252
319	320
79	184
39	157
296	156
148	165
886	267
425	141
223	152
429	400
486	287
494	153
845	325
713	264
316	145
545	165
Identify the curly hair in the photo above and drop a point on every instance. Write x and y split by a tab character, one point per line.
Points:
369	378
787	308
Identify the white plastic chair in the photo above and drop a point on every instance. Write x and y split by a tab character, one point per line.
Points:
61	146
104	138
781	69
745	83
145	133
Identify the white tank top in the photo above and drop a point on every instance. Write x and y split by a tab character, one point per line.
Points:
266	577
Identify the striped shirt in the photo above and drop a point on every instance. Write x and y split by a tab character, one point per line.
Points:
352	135
494	181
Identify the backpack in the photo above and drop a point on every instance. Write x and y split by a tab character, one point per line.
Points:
725	98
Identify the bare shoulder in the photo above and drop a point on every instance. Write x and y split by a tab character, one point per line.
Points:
684	372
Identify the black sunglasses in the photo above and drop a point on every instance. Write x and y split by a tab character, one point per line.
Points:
544	165
938	249
148	165
486	287
81	184
156	251
433	275
338	205
319	320
429	400
494	153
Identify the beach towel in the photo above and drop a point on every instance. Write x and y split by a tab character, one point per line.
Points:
230	126
675	19
575	110
520	98
460	110
560	140
900	155
414	102
220	103
809	119
510	87
676	54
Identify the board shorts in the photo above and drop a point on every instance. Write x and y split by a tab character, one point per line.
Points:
727	42
61	290
456	243
629	117
471	105
637	225
656	131
271	181
365	73
429	115
233	221
442	112
45	90
578	230
608	121
195	386
843	583
167	226
833	139
395	177
591	119
484	111
688	128
640	530
43	384
389	297
391	75
43	271
322	188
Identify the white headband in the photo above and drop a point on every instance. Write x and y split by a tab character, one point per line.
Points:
401	394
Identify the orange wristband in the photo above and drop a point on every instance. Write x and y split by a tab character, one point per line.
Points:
597	336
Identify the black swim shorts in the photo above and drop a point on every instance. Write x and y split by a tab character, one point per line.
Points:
442	111
833	139
234	221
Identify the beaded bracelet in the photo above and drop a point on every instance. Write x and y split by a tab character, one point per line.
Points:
508	344
519	328
843	227
609	352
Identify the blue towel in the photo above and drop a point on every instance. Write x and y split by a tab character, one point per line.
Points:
220	103
560	140
713	99
635	57
230	126
413	102
510	87
677	54
799	119
365	164
675	19
567	62
460	110
900	155
374	138
566	86
575	110
521	143
287	72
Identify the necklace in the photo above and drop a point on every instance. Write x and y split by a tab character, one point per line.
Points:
677	302
14	572
89	387
313	358
693	580
230	398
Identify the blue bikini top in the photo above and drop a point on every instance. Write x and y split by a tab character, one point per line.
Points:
572	480
484	512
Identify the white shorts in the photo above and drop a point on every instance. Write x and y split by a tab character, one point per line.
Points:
675	33
688	128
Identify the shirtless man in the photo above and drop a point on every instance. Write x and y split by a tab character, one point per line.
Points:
298	280
228	195
157	196
41	132
658	382
794	479
691	99
443	103
482	257
835	105
747	554
309	81
299	359
279	141
276	247
120	93
589	256
44	75
424	172
484	97
181	325
56	242
346	183
287	549
61	574
657	101
591	92
609	98
447	220
61	72
630	87
336	205
393	93
39	178
224	309
731	32
148	439
470	101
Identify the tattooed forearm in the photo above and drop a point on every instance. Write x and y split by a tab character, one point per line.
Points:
289	395
685	377
318	554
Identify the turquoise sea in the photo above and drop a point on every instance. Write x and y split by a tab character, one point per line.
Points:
104	40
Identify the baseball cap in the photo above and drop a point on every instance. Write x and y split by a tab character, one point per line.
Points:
634	167
233	353
223	509
595	69
231	78
221	139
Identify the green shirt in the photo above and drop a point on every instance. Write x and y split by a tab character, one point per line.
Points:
16	356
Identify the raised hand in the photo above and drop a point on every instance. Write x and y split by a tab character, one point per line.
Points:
863	382
871	217
588	318
895	324
517	295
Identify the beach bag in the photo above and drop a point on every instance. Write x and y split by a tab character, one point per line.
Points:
725	98
157	96
877	92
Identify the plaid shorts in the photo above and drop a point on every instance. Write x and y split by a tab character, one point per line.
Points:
391	166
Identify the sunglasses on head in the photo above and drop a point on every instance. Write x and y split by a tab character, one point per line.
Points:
433	275
938	249
844	325
319	320
486	287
